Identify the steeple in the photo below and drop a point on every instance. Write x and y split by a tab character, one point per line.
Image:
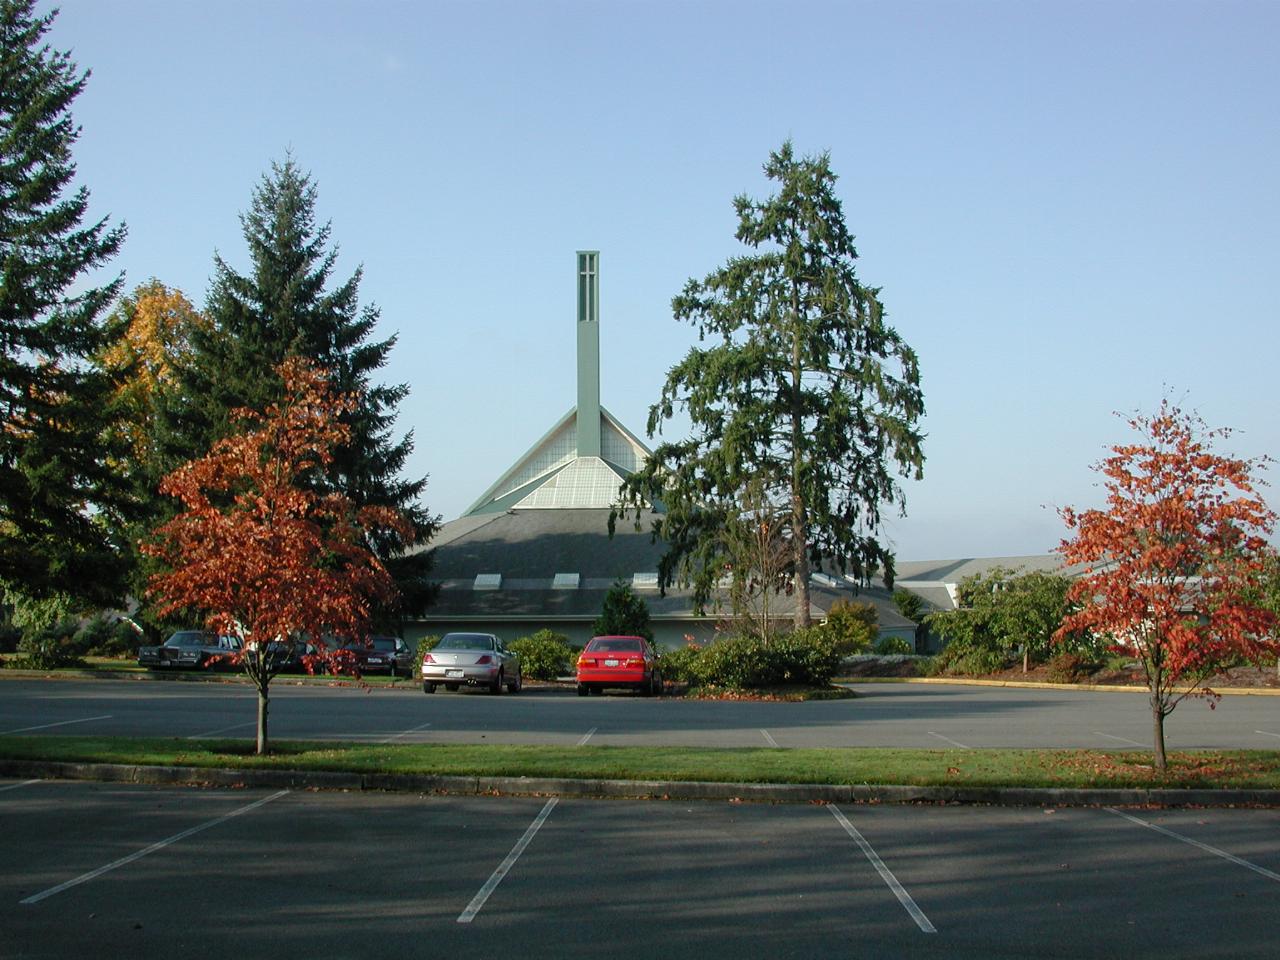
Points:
588	353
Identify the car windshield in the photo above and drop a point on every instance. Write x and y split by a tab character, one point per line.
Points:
614	645
190	638
465	641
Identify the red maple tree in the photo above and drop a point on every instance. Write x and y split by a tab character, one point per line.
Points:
1172	563
258	551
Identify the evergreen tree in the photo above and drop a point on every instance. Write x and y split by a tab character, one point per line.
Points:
280	308
624	614
807	391
56	481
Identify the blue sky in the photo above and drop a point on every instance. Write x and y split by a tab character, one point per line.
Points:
1071	209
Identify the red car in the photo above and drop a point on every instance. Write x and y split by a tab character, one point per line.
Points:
630	662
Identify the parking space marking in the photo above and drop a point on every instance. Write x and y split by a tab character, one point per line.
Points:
1196	843
405	733
886	874
954	743
1267	734
15	786
60	723
583	741
158	845
768	738
211	733
491	884
1109	736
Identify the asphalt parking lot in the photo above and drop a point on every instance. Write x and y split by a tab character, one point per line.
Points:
925	716
131	871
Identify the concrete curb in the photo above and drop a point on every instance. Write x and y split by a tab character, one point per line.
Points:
1037	685
635	789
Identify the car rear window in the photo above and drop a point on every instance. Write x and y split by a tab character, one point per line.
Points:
614	645
383	643
190	638
463	641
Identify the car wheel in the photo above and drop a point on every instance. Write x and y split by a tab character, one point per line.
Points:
646	688
518	685
658	686
496	686
582	690
428	687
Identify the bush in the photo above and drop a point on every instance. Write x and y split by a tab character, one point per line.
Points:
963	660
543	656
887	646
9	638
851	626
1071	668
683	665
52	647
803	657
101	637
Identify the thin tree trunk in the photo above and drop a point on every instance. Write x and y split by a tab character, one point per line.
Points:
1026	659
262	719
1157	717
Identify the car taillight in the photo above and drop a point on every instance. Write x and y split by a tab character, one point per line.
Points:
428	658
586	662
484	659
635	662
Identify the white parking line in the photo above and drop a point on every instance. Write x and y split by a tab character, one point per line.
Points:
1109	736
954	743
491	884
60	723
768	738
15	786
1196	843
405	733
886	874
1267	734
159	845
583	741
212	733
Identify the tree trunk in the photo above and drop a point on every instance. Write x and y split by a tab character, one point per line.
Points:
262	719
1157	717
1026	659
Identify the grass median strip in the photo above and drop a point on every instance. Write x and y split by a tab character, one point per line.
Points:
1241	769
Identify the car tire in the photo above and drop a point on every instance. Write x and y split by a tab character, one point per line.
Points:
428	687
582	690
658	688
518	685
496	687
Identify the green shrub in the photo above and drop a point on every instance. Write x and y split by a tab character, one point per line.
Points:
9	638
887	646
803	657
624	614
909	605
51	647
543	656
101	637
851	626
963	660
683	665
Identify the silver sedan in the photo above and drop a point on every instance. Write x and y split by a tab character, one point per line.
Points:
475	659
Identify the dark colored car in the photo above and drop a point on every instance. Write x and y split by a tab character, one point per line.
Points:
630	662
381	655
192	649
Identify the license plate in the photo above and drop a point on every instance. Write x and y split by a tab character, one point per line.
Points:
611	663
453	673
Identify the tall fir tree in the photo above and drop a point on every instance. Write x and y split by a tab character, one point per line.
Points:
282	307
56	479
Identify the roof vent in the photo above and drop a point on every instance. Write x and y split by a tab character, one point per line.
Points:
487	581
565	581
644	581
825	580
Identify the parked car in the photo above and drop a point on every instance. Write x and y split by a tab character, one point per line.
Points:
193	649
381	655
474	659
628	662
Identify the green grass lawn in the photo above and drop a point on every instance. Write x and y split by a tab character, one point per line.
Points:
1256	769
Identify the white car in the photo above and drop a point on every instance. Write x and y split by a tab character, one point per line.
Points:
474	659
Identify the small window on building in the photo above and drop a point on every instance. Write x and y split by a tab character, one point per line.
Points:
487	581
565	581
644	581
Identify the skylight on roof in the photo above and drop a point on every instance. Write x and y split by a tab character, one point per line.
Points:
644	581
825	580
565	581
487	581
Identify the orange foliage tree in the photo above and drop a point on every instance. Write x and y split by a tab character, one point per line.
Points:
1172	564
258	552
